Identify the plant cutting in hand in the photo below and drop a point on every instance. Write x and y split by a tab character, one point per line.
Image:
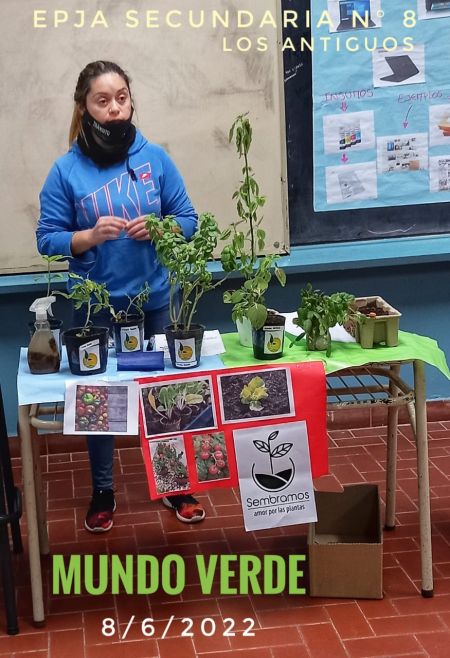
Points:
211	456
274	481
253	392
248	239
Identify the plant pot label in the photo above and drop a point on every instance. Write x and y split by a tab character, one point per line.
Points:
185	353
273	339
89	355
130	339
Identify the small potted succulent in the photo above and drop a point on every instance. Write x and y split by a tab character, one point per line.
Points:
248	239
187	265
87	346
319	312
128	325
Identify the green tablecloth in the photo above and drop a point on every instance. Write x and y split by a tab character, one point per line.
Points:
343	355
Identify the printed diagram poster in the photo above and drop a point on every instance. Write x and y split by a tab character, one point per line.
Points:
399	67
101	408
402	153
275	475
344	133
439	118
433	9
346	183
440	173
355	15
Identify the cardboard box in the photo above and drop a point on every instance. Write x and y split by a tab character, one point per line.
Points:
345	546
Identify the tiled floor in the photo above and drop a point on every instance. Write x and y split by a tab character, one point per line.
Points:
285	626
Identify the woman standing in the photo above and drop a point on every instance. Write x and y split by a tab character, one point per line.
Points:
93	208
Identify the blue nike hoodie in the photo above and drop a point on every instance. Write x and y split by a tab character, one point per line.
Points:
77	192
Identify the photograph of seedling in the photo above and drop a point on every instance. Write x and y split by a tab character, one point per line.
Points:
178	406
211	457
169	463
247	396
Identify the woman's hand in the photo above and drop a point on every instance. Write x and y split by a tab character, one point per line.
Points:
107	227
136	230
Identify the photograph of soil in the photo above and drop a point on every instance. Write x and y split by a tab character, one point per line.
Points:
211	459
175	406
101	409
169	464
247	396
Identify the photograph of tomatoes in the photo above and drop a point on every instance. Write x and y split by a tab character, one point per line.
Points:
211	459
256	394
101	409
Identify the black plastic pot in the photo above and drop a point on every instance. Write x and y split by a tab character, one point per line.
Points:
268	342
55	326
185	346
87	354
129	334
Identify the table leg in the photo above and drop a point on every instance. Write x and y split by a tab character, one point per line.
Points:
423	479
30	508
391	463
41	512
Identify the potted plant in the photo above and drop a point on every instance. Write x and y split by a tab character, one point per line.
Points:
247	240
319	312
164	413
87	346
51	276
187	265
376	322
128	325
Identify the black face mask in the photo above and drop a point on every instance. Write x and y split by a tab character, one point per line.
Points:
106	143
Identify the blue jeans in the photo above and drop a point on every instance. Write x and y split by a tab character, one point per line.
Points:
101	446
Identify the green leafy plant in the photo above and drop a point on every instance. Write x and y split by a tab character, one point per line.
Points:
50	274
135	305
166	401
248	239
186	262
90	293
253	392
319	312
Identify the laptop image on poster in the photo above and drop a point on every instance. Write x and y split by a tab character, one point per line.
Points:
402	68
346	9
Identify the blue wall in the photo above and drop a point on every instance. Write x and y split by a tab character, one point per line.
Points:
420	291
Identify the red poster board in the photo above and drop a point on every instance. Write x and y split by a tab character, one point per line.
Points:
187	420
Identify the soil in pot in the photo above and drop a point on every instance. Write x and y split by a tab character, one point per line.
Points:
129	334
268	342
185	346
87	354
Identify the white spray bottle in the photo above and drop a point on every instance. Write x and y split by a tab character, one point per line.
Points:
43	355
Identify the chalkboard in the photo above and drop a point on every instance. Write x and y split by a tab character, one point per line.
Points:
306	225
192	74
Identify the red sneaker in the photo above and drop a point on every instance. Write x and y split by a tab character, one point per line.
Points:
187	508
99	517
